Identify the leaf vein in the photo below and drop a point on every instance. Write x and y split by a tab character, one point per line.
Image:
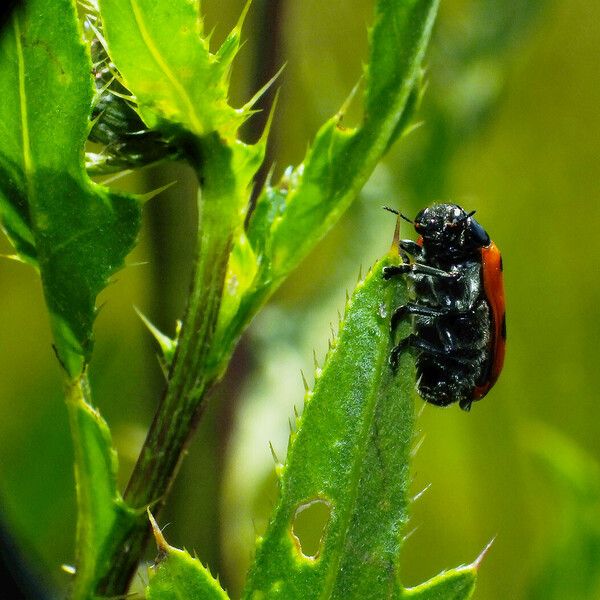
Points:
27	161
156	55
357	471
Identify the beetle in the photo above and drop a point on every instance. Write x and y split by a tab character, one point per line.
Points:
459	308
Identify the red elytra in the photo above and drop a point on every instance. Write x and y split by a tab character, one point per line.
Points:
493	284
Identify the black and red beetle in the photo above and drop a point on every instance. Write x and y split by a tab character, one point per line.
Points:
459	311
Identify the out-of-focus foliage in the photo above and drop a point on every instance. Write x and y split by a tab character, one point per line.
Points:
531	167
467	80
568	564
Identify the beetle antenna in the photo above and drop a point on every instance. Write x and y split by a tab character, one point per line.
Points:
467	216
396	240
396	212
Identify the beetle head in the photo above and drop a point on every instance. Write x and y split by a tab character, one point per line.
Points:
449	229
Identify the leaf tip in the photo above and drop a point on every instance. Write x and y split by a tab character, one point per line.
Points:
274	454
68	569
261	92
13	257
315	361
408	535
348	101
243	15
477	562
153	193
159	538
167	345
265	134
415	449
360	274
304	382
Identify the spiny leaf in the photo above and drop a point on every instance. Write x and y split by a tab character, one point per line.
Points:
350	453
350	457
455	584
292	215
340	160
75	232
165	61
179	576
126	141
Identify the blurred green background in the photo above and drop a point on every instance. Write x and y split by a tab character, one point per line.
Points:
511	127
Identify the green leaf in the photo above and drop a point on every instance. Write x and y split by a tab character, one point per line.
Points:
350	457
455	584
340	159
75	232
164	59
293	215
178	576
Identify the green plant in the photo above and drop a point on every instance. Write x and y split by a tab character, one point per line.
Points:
159	100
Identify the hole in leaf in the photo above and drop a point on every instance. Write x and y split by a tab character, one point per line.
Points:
308	527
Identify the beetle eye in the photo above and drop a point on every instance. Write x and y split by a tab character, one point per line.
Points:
479	234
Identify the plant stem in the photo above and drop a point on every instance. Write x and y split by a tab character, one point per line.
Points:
77	392
192	371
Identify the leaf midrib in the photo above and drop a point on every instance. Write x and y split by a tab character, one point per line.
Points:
356	474
156	55
26	142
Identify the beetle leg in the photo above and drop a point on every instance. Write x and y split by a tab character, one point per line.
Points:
411	248
412	308
414	341
465	404
414	268
408	342
395	270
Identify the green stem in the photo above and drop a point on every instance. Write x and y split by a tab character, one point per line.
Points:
77	394
192	372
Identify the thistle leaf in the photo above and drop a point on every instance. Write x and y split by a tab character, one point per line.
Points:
76	233
350	457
